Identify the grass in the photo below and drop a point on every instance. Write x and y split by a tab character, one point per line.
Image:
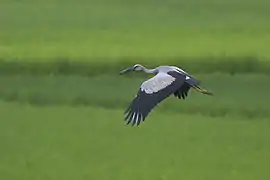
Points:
242	95
93	143
62	119
71	127
202	36
112	30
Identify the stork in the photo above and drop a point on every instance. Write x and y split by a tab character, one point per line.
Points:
168	80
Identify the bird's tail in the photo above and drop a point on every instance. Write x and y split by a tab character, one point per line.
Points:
203	91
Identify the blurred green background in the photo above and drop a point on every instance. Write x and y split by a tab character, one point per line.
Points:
62	100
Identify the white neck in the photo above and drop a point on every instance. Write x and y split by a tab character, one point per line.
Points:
150	71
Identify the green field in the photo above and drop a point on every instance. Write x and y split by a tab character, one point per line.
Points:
62	100
234	95
116	29
71	127
207	35
91	143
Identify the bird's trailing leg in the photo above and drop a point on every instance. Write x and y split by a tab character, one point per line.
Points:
203	91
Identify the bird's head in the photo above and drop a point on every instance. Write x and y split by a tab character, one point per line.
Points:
136	67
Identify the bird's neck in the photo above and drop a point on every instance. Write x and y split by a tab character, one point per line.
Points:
149	71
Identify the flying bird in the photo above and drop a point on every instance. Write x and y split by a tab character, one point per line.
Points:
168	80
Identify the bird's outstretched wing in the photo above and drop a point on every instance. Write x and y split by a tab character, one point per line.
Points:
152	92
183	91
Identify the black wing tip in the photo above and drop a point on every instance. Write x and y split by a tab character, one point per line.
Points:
134	118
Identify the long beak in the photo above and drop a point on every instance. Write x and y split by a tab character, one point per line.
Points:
126	70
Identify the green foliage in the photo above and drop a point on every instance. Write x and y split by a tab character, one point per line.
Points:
241	95
65	66
93	143
59	72
128	29
65	37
